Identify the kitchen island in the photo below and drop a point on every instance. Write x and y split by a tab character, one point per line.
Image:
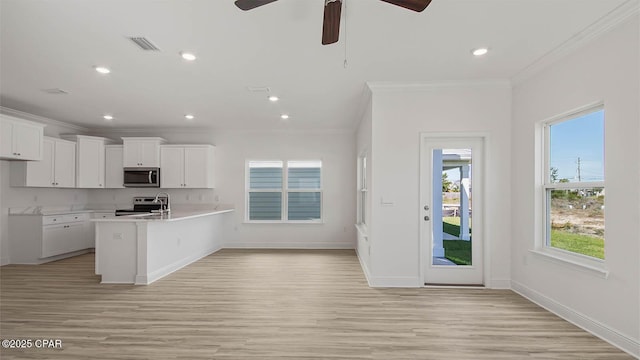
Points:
140	249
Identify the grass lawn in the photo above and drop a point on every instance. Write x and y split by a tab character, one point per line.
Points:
582	244
458	251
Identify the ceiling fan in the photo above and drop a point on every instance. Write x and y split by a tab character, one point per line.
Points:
332	10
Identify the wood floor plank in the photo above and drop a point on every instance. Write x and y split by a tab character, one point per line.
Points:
274	304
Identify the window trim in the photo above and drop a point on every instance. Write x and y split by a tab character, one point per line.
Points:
543	185
284	193
362	188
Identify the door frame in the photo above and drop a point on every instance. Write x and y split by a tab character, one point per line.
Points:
424	226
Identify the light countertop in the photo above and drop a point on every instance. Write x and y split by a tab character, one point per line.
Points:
174	215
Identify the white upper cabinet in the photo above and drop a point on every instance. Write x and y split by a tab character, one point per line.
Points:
56	169
141	151
20	139
187	166
114	174
90	161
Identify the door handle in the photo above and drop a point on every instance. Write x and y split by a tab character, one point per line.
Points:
426	218
150	176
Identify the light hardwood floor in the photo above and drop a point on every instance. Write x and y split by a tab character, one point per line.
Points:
281	304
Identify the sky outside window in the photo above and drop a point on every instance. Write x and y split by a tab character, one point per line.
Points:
580	138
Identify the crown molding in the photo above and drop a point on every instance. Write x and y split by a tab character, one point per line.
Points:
600	27
41	119
394	86
151	130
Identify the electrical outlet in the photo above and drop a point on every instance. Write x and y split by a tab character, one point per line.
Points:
35	198
201	197
187	197
216	198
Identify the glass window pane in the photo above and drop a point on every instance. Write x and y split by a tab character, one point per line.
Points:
265	206
304	174
576	149
304	205
265	175
576	220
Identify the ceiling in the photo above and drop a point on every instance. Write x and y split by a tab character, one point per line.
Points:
56	44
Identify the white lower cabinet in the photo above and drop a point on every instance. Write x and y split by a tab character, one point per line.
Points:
36	239
63	238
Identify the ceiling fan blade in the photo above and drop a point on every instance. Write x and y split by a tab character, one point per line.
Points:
415	5
331	22
251	4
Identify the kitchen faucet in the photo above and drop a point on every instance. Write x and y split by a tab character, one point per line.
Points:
168	208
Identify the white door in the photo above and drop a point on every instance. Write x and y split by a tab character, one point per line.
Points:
6	138
90	163
40	173
65	164
172	167
196	167
131	154
149	153
114	175
452	210
27	141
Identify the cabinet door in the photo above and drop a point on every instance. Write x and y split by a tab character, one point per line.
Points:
90	164
149	154
40	173
196	167
6	139
114	174
131	154
65	164
63	238
171	167
27	141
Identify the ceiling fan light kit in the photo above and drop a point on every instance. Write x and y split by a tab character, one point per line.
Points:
332	12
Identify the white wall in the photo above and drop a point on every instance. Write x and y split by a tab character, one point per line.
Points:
607	69
337	152
400	114
15	197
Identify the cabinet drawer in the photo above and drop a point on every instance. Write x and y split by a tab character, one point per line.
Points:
64	219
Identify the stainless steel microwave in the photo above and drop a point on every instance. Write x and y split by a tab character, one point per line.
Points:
142	177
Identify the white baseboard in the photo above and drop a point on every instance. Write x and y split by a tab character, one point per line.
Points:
621	341
395	281
171	268
4	261
289	245
365	268
500	284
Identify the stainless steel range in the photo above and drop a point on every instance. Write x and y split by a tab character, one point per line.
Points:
145	204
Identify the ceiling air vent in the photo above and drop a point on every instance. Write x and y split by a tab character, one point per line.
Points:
55	91
144	43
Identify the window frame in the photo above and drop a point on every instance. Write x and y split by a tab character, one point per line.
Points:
543	241
284	191
362	188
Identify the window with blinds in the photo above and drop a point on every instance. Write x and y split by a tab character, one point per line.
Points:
279	191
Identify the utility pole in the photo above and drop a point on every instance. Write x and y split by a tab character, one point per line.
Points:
579	177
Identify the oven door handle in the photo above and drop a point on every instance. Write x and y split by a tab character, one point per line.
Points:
150	172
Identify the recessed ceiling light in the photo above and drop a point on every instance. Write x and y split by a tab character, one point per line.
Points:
189	117
102	70
284	116
188	56
273	98
108	117
480	51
